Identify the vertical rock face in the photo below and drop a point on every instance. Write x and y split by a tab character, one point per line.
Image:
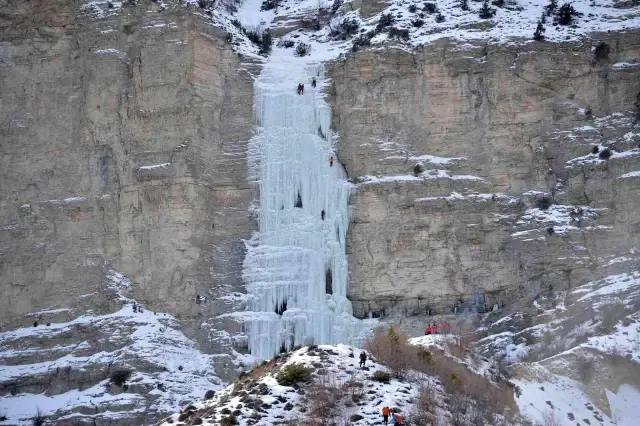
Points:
456	150
123	141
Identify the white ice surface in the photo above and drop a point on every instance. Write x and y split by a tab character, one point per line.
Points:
295	251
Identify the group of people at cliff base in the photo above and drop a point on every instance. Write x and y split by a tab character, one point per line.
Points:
301	86
396	418
433	328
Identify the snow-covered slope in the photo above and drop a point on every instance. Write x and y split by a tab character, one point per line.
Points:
580	359
257	398
129	364
513	21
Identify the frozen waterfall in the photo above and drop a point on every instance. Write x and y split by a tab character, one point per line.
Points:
295	268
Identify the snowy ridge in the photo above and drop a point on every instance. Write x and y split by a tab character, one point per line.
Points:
258	399
514	22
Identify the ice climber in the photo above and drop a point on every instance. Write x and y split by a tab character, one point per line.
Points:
313	82
299	88
322	215
331	161
385	415
302	89
363	358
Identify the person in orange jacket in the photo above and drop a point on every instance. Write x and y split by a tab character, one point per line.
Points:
331	161
396	419
385	415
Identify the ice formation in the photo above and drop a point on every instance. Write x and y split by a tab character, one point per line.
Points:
296	267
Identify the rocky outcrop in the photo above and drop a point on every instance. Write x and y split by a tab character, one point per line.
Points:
123	138
454	147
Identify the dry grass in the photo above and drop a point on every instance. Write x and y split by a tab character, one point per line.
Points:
393	350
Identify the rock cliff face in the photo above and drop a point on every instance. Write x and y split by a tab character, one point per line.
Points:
454	147
123	148
123	143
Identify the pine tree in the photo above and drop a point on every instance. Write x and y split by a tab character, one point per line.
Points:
464	4
486	11
267	42
566	14
538	35
543	18
551	7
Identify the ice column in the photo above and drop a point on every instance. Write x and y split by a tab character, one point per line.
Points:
295	268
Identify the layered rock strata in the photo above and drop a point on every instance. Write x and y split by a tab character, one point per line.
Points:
455	146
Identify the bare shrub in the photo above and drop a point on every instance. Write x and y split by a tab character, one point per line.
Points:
610	314
354	391
425	405
39	418
391	348
549	418
324	396
585	369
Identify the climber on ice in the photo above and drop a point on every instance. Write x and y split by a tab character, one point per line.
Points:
322	215
313	82
299	88
330	161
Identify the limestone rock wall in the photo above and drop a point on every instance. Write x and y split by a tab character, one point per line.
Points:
123	135
494	129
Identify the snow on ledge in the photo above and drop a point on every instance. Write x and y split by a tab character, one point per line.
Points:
433	159
455	196
64	200
427	175
625	65
630	175
116	52
155	166
595	158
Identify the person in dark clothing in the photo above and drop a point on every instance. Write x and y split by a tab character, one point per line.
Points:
330	161
322	214
313	82
299	88
302	89
363	358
